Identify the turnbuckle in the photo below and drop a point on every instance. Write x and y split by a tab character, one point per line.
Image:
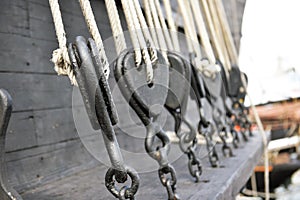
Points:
100	107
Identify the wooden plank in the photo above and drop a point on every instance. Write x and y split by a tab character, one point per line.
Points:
35	166
34	19
23	54
42	26
46	126
42	142
224	183
31	25
14	18
31	54
37	91
21	131
53	126
42	127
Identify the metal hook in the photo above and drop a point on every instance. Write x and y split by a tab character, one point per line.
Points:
97	98
141	97
6	191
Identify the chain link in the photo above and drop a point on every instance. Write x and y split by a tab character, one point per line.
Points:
157	152
194	161
212	154
125	192
169	183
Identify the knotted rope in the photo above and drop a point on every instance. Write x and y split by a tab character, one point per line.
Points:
60	56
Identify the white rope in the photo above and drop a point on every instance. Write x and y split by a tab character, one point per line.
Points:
266	153
92	26
116	26
142	42
145	29
202	30
213	32
227	33
262	194
158	29
188	40
253	184
189	29
137	26
193	28
151	23
172	26
265	143
218	34
210	68
132	32
235	23
164	25
60	57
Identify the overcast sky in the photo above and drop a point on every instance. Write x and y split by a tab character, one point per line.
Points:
270	49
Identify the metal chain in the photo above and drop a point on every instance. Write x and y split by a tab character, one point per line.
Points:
190	150
194	161
169	183
206	129
160	154
126	192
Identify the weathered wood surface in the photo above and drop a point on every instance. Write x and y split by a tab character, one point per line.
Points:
42	141
224	182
